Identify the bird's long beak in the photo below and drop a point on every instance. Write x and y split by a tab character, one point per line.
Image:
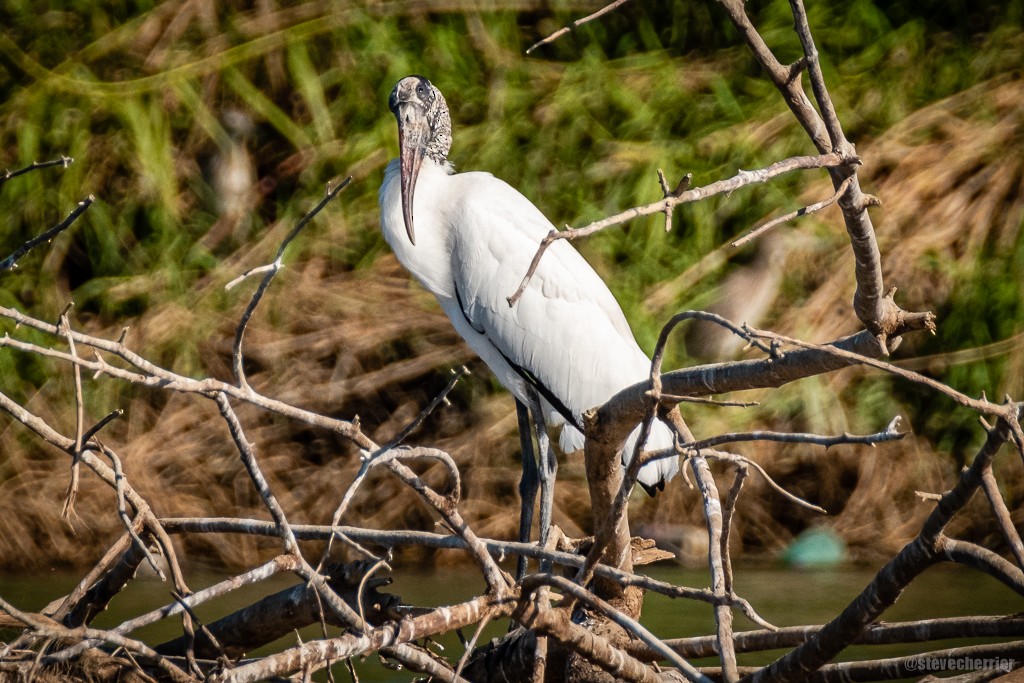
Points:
413	135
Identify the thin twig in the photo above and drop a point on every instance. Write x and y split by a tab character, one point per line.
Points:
245	450
68	511
811	208
727	516
736	458
813	66
12	260
684	183
741	179
180	599
890	434
706	401
472	642
576	24
107	419
63	162
442	397
362	584
122	512
271	270
1006	411
369	461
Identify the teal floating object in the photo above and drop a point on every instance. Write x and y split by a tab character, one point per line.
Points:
815	548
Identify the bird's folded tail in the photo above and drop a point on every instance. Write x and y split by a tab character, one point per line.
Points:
653	475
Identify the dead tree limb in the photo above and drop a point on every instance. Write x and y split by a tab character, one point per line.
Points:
890	581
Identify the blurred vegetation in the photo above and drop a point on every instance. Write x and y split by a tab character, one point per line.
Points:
153	99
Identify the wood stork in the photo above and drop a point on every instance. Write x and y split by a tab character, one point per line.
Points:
469	238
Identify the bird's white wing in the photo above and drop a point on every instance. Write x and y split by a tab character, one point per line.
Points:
566	331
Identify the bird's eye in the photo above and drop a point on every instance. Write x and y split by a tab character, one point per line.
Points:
422	91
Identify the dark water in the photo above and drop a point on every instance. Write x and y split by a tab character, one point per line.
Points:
783	597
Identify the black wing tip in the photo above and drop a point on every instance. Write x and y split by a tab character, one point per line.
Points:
652	491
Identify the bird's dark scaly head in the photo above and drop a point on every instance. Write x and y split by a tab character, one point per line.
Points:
424	130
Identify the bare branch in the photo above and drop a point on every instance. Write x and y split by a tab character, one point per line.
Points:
1002	515
727	515
271	271
252	467
875	634
107	419
576	24
1007	411
879	313
809	209
890	434
564	585
279	564
92	637
12	260
983	560
392	539
153	375
813	66
68	511
890	581
713	518
442	397
591	646
295	607
122	511
315	654
741	179
63	162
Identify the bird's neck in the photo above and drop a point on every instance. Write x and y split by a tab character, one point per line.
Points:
441	133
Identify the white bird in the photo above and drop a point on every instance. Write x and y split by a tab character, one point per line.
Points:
469	239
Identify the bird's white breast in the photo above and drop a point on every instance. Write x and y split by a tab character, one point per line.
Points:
429	259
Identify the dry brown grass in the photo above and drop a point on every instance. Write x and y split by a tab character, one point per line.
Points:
370	343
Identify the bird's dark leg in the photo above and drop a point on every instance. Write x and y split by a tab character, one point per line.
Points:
548	466
528	484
